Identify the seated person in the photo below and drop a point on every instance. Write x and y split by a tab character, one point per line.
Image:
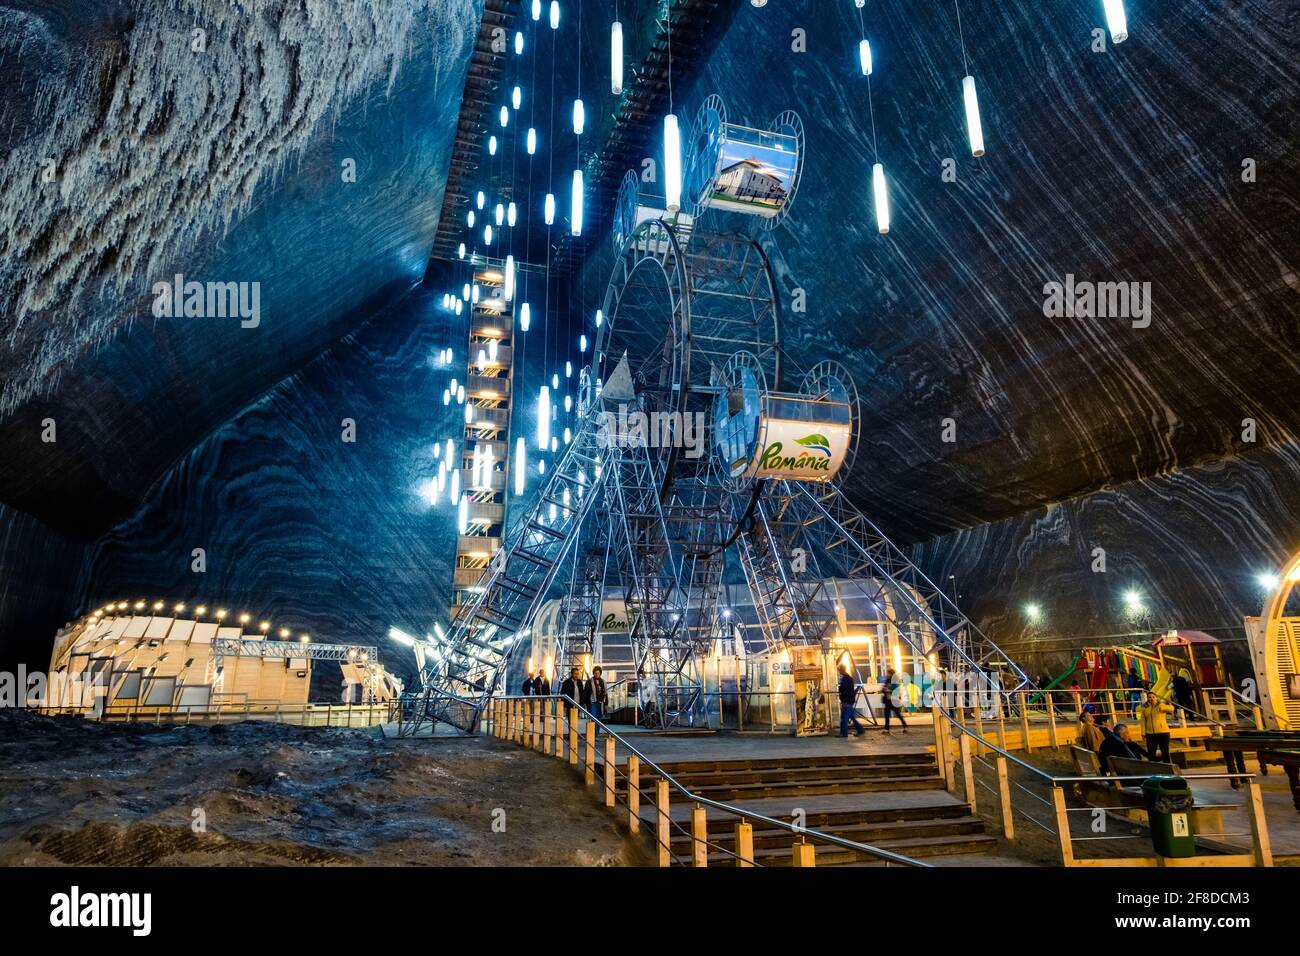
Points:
1119	743
1090	734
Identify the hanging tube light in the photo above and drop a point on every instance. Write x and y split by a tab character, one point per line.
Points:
575	212
864	56
521	465
672	163
549	214
1116	20
882	197
616	57
579	117
973	124
544	418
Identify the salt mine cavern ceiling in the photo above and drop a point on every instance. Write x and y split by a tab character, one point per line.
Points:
1128	166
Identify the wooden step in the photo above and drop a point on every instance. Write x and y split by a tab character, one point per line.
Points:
874	834
829	855
789	763
809	787
721	823
692	779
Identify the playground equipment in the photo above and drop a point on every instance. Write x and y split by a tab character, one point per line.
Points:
691	344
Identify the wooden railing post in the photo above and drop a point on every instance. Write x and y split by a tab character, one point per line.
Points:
662	833
940	755
573	736
1259	838
1004	798
634	793
968	771
1051	721
548	728
590	775
1066	847
979	723
744	844
699	837
610	760
804	853
1024	722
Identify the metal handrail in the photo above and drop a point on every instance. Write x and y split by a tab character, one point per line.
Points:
1117	693
801	832
1052	778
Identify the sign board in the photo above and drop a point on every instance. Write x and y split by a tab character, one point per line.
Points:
800	450
615	616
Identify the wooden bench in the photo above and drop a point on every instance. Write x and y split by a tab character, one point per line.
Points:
1127	798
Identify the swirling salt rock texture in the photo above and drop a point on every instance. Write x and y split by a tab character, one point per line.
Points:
317	534
223	166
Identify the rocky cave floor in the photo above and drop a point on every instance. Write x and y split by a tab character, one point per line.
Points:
73	792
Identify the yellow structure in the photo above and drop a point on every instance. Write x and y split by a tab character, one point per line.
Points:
1275	651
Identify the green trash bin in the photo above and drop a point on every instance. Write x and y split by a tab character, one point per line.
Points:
1169	808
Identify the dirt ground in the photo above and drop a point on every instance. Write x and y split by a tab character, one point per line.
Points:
79	793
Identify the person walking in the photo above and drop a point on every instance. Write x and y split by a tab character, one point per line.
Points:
529	684
1153	715
888	687
848	703
573	688
649	696
596	694
541	686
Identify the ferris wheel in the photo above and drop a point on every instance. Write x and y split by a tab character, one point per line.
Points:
700	447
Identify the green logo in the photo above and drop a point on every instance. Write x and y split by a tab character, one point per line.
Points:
773	460
817	442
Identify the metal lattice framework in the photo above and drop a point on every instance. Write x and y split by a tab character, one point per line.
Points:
646	512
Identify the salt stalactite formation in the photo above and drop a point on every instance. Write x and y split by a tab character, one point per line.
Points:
155	143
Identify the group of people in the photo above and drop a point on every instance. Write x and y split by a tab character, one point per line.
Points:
1152	716
591	693
848	689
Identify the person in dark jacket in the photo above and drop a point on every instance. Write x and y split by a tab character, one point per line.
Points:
887	688
1182	689
541	686
848	703
573	687
529	684
596	694
1117	743
1135	687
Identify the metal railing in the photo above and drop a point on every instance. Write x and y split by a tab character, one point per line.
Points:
1013	796
301	715
527	721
